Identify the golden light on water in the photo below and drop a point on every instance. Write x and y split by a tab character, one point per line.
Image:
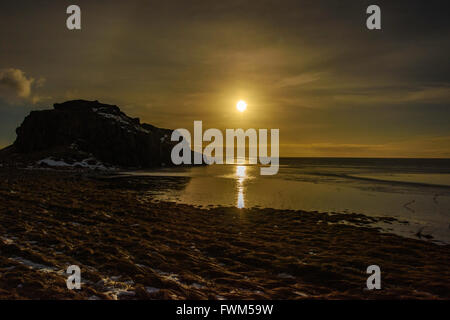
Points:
240	172
241	106
241	176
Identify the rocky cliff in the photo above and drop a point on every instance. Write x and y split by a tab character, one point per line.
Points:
78	130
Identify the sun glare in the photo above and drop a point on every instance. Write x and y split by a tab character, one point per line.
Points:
241	105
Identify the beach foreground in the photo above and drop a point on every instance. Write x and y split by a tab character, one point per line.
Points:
129	247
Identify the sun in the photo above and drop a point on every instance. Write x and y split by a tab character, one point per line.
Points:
241	105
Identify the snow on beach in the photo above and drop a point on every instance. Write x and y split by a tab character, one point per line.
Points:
89	163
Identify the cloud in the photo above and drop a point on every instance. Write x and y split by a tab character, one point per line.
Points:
14	81
15	86
399	95
417	147
40	83
299	80
430	94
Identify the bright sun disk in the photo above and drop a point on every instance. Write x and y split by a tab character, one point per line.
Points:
241	105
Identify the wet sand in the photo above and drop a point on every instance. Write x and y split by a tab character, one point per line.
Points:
129	247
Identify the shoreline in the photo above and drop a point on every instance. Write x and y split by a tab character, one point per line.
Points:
130	248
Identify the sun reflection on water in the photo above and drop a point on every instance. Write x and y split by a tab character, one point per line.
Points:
240	177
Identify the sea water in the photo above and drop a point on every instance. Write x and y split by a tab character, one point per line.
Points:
415	190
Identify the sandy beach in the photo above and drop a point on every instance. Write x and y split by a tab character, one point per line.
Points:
130	247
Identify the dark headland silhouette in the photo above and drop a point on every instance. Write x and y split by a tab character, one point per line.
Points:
80	130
